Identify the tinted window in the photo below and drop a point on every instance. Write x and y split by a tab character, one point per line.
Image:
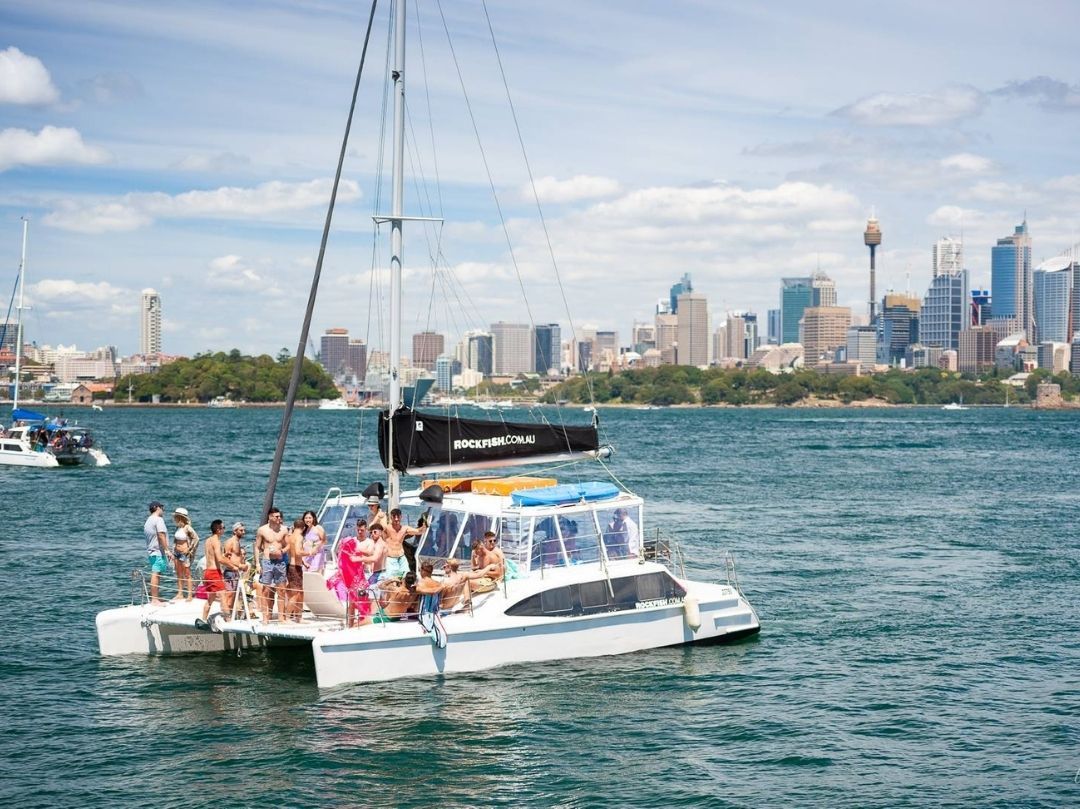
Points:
592	597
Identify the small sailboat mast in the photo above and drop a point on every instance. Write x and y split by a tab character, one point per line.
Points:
19	326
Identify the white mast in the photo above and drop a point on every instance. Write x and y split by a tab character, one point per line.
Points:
396	212
19	329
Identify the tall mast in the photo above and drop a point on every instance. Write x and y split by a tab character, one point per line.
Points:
19	327
396	213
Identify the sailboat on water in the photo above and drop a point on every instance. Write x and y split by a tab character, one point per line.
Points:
34	440
584	574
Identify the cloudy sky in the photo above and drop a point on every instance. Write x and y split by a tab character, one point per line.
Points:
190	147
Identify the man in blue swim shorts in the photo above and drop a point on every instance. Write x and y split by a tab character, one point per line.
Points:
158	554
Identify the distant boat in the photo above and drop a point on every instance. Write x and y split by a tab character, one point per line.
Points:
333	404
955	405
96	407
222	401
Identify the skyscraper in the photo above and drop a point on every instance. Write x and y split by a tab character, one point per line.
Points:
427	346
678	289
773	333
824	290
795	295
334	350
824	330
945	310
667	337
897	327
356	357
1052	288
512	348
444	372
150	323
1010	279
481	352
872	238
735	337
693	317
948	256
548	349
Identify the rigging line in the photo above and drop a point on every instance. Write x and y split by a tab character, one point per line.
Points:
539	207
487	167
298	366
536	196
431	118
7	317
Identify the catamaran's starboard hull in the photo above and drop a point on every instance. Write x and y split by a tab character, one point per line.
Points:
400	650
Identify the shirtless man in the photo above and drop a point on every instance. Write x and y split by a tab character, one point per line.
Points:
398	598
270	563
494	561
455	585
234	565
213	581
294	573
372	550
396	563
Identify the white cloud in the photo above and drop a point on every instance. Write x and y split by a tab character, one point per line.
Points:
24	79
966	163
52	146
581	186
220	162
81	294
1051	94
233	272
953	217
139	209
945	106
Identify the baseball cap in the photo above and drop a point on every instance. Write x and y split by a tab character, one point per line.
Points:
155	505
237	526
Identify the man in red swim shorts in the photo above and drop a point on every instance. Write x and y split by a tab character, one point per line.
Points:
213	581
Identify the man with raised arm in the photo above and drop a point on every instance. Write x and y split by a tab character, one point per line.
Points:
157	548
270	562
397	564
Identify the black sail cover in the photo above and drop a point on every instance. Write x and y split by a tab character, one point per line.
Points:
423	440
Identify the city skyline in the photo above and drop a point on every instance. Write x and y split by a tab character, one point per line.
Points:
755	169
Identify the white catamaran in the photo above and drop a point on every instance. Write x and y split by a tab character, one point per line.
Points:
585	576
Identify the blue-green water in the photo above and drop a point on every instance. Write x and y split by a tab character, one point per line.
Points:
915	571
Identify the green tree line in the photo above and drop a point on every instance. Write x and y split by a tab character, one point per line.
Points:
676	384
234	375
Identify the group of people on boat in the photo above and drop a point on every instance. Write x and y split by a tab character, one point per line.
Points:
52	436
375	572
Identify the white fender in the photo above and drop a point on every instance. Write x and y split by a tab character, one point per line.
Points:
692	611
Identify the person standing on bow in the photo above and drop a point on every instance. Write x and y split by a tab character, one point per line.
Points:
397	565
270	562
184	542
314	546
213	581
157	548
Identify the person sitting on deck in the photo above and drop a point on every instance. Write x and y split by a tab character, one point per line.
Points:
494	561
455	585
398	599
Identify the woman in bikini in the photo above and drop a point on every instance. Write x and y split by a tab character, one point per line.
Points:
185	540
294	573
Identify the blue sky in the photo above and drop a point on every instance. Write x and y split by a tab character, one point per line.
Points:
189	147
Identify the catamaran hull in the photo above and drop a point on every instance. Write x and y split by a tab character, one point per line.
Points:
390	652
134	630
39	460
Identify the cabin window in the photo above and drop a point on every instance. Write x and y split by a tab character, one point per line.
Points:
514	539
472	532
440	537
556	600
589	598
13	447
330	520
580	538
547	547
620	531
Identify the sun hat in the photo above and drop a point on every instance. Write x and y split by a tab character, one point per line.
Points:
183	512
373	501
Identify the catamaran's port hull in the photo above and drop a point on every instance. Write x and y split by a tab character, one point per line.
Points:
368	655
132	631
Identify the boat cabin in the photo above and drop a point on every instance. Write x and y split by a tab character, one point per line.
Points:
539	523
